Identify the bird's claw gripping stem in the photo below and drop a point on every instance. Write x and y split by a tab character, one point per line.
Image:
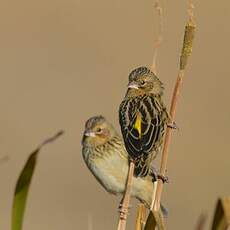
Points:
164	179
157	176
173	125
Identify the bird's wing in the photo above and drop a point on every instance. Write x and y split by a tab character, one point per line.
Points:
142	127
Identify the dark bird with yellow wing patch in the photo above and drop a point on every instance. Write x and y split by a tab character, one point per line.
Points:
143	118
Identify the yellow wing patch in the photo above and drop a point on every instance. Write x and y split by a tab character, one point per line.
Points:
137	124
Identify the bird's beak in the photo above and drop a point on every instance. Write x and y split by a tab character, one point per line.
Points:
89	134
133	85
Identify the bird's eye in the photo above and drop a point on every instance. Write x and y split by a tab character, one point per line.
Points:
99	130
142	82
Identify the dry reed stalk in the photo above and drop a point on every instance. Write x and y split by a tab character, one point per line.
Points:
159	9
185	53
126	199
159	39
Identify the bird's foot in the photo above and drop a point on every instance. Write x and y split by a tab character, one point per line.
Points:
157	176
164	179
173	125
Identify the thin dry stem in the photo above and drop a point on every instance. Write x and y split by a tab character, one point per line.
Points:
191	12
156	45
168	137
185	53
90	222
126	199
154	194
159	39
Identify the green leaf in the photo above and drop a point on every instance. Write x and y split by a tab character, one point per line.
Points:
23	185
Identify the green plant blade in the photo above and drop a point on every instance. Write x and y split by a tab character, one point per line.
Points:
23	185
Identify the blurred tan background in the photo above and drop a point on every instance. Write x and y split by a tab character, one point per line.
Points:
66	60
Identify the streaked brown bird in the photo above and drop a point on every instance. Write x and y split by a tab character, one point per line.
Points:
104	153
143	118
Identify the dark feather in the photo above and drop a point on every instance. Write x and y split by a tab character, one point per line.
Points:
142	146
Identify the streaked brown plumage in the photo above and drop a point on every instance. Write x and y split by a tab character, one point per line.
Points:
143	118
104	154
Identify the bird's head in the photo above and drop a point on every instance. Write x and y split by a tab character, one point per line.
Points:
97	132
143	80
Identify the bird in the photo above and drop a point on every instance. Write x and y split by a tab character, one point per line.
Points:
105	156
143	119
